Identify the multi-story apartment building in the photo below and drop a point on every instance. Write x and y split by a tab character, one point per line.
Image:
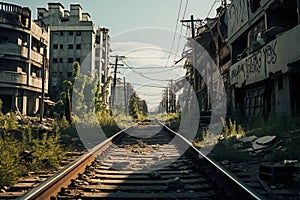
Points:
73	37
23	57
264	37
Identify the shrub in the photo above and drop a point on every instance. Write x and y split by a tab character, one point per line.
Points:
9	161
47	152
231	129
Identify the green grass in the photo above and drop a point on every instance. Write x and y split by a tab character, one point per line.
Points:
24	148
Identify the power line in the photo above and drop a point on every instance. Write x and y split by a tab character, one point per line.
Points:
146	58
183	16
145	85
174	35
178	66
150	95
140	74
180	35
157	72
212	6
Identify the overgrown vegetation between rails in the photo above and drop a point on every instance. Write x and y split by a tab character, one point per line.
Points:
27	146
24	149
172	120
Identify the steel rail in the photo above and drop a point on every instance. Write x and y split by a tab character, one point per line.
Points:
62	178
236	188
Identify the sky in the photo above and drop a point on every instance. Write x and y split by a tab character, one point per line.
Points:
147	32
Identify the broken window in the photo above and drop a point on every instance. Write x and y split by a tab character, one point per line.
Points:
254	102
239	48
256	40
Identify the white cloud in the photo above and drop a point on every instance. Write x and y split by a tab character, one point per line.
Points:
147	60
141	54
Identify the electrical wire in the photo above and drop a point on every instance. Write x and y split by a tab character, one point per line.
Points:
211	8
145	85
183	16
140	74
157	72
178	66
174	35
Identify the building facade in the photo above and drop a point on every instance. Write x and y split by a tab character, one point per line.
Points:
73	38
264	39
123	92
23	58
207	66
102	50
254	45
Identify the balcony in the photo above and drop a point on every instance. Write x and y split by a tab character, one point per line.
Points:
12	78
271	58
35	82
13	49
15	15
37	57
283	51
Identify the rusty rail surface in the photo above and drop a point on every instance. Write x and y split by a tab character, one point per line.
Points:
61	179
232	187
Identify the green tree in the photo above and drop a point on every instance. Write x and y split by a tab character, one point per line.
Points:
137	107
75	70
133	107
143	107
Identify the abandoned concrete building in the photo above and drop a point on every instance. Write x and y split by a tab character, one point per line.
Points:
255	46
264	40
207	65
23	56
73	37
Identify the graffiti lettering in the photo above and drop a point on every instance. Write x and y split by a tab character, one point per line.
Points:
237	15
270	53
251	65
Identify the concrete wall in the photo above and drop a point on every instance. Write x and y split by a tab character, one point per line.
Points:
21	60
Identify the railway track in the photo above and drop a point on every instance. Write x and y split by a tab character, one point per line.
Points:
33	179
144	162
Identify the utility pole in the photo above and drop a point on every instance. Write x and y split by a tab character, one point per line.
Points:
192	21
125	98
171	97
115	78
43	80
167	100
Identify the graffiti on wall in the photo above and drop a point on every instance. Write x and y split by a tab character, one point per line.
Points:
271	55
251	65
254	67
238	15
